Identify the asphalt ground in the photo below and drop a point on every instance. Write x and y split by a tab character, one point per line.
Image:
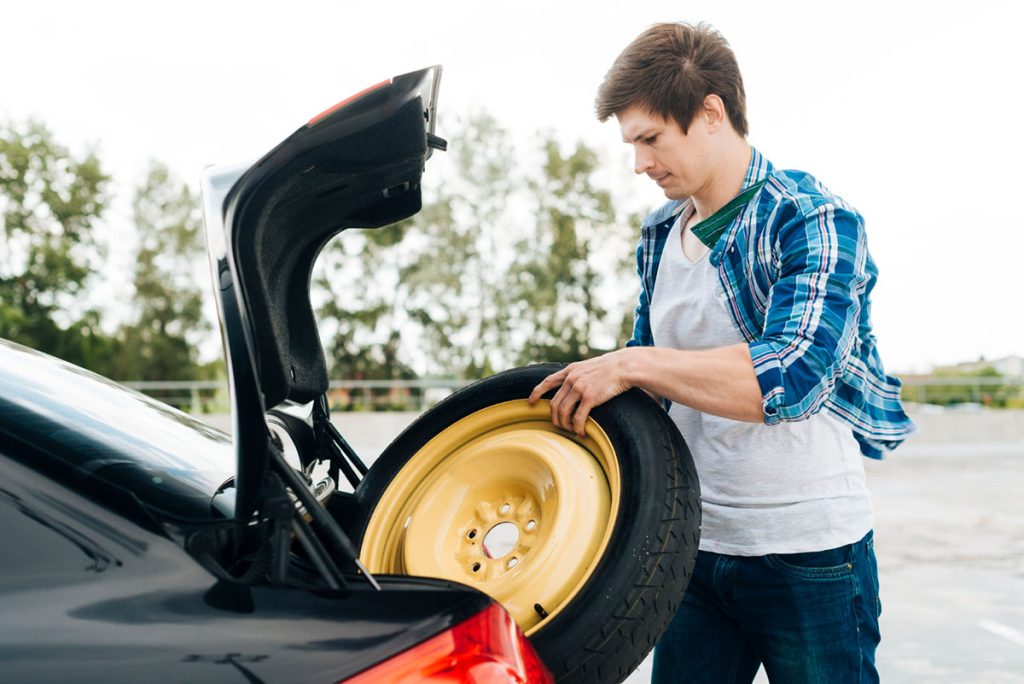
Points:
949	536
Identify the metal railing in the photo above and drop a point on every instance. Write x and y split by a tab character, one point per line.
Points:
192	395
416	395
199	396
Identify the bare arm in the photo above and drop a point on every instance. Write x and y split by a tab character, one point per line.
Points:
719	381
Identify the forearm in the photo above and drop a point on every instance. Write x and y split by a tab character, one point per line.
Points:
719	381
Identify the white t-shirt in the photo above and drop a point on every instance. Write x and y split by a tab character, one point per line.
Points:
787	488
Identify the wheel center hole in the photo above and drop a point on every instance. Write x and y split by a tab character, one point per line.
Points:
501	540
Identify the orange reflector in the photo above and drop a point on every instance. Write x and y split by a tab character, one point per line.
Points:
487	648
327	112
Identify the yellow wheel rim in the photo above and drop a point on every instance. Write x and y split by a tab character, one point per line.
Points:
503	464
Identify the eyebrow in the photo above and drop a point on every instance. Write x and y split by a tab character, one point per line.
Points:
646	134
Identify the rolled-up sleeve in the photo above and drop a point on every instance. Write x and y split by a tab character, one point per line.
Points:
813	311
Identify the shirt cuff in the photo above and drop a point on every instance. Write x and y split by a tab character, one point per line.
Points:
768	369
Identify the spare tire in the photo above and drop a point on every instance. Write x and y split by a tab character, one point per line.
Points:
601	532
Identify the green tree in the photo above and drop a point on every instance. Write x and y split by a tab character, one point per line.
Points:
430	291
161	340
506	263
50	203
458	284
568	276
359	307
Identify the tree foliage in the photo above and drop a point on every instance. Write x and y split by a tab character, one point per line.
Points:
167	324
361	305
504	265
50	203
507	263
558	276
428	291
460	294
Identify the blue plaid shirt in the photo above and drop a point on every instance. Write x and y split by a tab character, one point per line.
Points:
797	276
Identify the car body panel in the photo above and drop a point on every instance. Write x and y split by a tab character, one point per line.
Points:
90	595
96	428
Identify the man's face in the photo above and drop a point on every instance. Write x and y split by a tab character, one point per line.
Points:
678	162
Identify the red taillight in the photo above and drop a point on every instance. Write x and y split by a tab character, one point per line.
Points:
330	110
488	648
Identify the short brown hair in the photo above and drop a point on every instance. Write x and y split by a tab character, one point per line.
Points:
669	69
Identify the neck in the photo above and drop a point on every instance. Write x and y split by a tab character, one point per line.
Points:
727	179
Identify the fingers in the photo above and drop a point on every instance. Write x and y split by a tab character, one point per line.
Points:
579	418
563	405
550	382
569	409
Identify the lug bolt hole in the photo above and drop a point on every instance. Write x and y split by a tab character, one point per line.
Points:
471	534
476	567
504	508
531	526
512	562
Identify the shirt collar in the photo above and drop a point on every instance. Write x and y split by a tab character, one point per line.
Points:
757	170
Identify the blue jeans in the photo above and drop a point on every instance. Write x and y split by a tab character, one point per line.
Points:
809	617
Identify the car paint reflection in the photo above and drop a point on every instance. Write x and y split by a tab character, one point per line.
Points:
99	558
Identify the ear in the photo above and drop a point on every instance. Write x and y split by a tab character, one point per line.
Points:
714	113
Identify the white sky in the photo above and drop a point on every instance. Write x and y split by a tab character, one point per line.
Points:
910	110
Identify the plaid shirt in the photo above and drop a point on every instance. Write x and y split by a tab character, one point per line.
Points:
796	277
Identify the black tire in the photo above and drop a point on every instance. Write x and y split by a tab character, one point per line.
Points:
610	625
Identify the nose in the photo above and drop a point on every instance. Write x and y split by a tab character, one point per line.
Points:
642	160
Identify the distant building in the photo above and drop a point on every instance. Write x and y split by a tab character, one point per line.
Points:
1008	366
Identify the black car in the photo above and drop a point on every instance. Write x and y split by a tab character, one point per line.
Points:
139	544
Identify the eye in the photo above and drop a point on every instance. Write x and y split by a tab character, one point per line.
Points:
651	139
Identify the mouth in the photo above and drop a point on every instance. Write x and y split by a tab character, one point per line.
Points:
661	180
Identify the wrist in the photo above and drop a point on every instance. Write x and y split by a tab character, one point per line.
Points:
633	366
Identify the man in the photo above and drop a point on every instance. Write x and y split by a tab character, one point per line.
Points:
754	323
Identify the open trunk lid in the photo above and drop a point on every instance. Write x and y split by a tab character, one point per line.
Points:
356	165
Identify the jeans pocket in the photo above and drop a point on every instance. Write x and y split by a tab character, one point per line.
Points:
815	565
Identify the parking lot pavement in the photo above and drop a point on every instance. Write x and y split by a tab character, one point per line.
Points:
950	544
949	534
